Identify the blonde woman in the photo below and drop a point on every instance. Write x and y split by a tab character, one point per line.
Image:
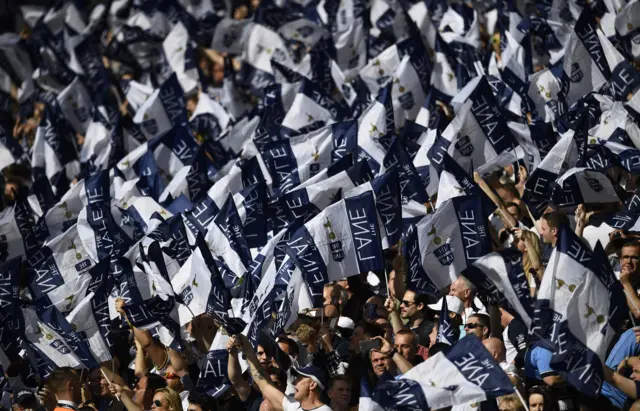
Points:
166	399
529	246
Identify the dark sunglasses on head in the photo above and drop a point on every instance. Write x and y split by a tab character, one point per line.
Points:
472	325
157	403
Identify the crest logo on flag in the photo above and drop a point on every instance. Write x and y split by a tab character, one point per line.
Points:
305	31
187	295
343	17
150	125
335	245
58	345
278	55
406	101
636	39
346	91
593	183
443	253
231	35
464	146
81	112
576	73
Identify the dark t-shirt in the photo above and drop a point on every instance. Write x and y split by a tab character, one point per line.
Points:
423	331
253	402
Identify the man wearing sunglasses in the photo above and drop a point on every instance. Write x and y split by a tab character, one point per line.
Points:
478	325
310	383
412	309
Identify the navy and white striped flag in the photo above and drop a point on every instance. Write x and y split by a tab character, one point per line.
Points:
465	373
443	244
580	308
500	275
341	241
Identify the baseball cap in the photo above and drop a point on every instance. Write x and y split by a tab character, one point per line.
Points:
313	372
454	304
23	397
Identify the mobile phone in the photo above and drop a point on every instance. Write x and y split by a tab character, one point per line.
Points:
368	345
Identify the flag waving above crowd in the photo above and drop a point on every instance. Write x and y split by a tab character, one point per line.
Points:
393	205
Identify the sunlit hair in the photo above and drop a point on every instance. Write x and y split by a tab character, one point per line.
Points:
171	397
534	243
305	333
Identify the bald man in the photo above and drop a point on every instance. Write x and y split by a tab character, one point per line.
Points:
496	347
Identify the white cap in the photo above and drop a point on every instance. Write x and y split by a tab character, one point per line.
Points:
346	322
454	304
373	279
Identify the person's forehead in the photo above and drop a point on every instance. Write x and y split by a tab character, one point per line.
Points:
631	249
375	355
409	295
403	339
339	384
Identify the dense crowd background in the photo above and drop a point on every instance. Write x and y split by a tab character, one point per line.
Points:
373	326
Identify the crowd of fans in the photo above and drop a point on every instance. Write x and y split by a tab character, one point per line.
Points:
367	330
359	336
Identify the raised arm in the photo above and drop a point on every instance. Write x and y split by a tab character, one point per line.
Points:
156	351
394	316
269	392
235	372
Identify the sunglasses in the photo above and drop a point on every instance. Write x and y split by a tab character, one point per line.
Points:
471	326
157	403
407	303
170	376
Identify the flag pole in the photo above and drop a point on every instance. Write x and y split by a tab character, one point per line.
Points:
524	404
108	382
634	306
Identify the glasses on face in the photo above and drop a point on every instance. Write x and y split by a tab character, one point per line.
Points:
170	376
157	403
471	326
407	303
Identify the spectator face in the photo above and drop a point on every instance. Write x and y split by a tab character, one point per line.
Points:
408	306
139	393
304	385
98	384
263	358
406	346
536	402
629	257
634	363
311	346
514	211
173	380
275	379
340	393
160	403
473	327
460	290
380	362
374	308
546	232
356	338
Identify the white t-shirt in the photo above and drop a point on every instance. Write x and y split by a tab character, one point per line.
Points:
291	405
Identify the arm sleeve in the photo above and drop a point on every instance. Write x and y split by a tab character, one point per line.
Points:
542	358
